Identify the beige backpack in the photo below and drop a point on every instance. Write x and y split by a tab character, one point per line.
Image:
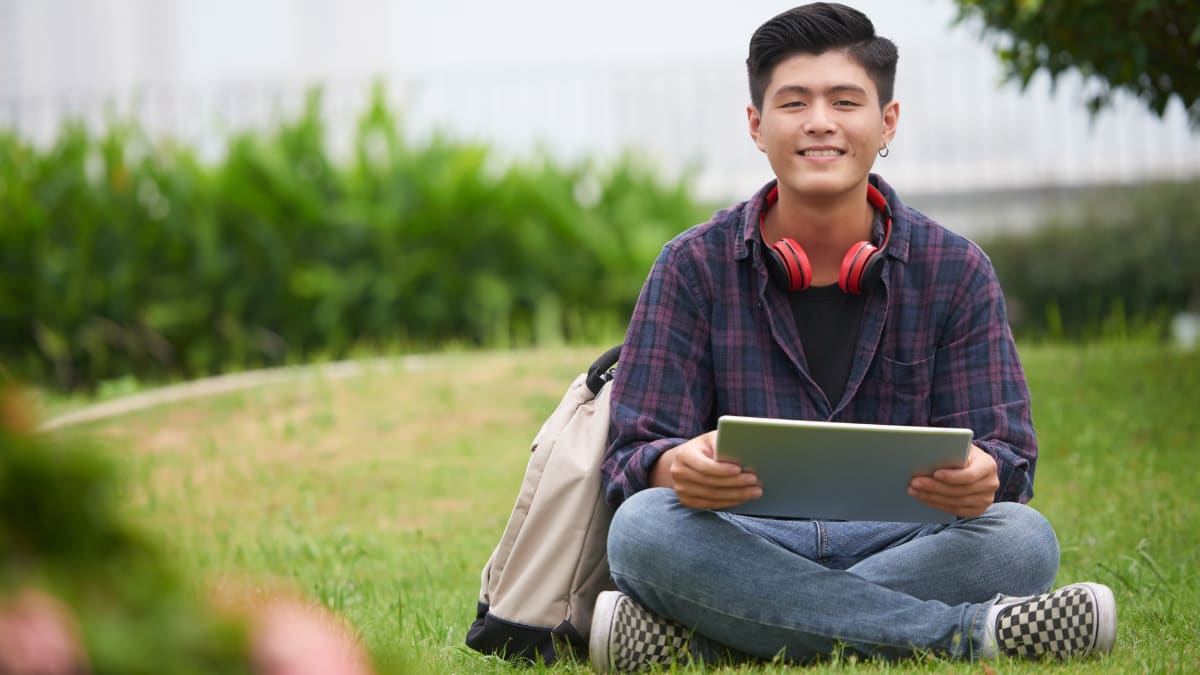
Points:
539	587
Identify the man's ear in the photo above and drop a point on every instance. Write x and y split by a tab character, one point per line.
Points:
891	117
754	117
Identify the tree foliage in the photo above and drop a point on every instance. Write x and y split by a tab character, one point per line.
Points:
1147	48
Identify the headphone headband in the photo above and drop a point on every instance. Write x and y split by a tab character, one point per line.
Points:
862	265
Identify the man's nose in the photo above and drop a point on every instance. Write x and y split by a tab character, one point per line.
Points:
819	120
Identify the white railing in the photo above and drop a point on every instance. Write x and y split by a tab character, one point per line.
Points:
959	131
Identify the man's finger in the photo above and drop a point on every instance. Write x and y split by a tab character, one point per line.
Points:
968	508
684	473
968	474
931	486
704	499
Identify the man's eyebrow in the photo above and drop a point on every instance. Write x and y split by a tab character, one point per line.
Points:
799	90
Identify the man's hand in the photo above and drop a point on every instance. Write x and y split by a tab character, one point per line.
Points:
965	492
701	481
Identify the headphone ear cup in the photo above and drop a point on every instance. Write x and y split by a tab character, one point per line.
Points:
872	272
788	265
853	277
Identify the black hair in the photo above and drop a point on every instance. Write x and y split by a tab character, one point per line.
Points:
815	29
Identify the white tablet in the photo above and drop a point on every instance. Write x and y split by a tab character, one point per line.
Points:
839	471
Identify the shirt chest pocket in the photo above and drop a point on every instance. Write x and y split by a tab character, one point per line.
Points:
896	392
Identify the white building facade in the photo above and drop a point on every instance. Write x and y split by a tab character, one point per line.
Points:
664	79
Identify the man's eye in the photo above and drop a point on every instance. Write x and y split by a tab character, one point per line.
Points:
847	103
793	104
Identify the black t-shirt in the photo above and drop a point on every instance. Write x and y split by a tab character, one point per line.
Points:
828	321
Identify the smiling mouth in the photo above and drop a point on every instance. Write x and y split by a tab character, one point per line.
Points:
824	152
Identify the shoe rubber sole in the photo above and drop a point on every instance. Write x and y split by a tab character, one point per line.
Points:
600	634
1106	617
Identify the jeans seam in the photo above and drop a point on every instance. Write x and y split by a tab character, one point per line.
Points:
823	548
975	650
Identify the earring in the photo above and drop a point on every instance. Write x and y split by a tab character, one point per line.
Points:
884	151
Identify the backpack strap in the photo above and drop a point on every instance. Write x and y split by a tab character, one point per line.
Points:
602	370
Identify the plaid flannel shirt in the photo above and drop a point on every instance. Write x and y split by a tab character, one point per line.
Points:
710	335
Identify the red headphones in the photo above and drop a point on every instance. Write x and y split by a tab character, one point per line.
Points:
862	265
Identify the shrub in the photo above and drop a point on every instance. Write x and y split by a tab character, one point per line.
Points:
70	562
123	256
1127	263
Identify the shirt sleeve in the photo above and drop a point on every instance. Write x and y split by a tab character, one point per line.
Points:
978	380
662	393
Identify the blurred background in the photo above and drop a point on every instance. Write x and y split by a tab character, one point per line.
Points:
664	78
196	187
310	131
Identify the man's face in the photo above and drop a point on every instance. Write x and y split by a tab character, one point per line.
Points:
821	125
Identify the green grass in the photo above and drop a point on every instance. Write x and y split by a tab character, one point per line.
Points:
382	495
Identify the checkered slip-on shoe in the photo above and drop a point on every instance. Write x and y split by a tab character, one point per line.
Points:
1074	621
627	637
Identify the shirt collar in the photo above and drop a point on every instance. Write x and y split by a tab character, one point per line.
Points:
897	248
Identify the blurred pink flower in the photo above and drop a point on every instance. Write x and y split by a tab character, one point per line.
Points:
292	637
38	636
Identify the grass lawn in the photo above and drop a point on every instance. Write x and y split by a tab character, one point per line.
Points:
382	495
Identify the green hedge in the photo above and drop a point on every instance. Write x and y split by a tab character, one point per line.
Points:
123	256
1124	265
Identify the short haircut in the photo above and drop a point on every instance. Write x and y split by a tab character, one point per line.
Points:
815	29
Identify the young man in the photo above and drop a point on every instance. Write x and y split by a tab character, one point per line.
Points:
824	297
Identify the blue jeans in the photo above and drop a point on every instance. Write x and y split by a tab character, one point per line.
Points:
755	588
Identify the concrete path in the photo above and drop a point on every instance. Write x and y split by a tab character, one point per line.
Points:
224	384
